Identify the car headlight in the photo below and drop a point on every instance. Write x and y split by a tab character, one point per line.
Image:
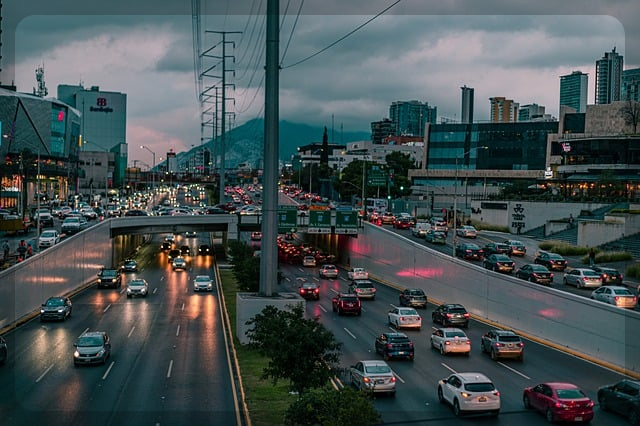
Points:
61	310
101	352
76	354
42	311
128	290
113	280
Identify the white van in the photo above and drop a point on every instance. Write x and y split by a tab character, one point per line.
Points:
420	229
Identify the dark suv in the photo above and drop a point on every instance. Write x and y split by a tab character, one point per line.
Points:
56	308
451	314
394	345
502	344
347	303
109	277
414	297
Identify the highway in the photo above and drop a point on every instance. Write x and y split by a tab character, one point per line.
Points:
168	364
416	400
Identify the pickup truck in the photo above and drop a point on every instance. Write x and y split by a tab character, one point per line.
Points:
12	224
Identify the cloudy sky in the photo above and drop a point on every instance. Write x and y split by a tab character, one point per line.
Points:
416	49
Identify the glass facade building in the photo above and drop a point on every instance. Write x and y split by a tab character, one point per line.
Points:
573	90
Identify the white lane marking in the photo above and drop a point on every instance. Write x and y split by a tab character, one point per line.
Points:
335	291
397	377
44	374
316	279
448	368
169	370
178	330
514	370
287	279
107	308
182	308
349	333
155	290
123	290
322	309
106	373
186	289
85	330
131	332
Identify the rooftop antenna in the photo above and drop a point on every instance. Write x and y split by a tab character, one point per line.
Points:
42	90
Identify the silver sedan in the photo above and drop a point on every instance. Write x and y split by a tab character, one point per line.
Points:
583	277
615	295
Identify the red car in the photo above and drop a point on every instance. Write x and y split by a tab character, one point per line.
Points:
559	402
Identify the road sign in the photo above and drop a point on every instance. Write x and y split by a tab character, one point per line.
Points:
346	222
319	222
287	218
377	177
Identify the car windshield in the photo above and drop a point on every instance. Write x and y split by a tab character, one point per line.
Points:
570	394
85	341
136	283
364	285
202	279
591	274
538	268
454	334
108	273
54	302
377	369
555	256
47	234
479	387
398	339
416	293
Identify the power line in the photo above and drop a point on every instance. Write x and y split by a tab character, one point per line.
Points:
295	23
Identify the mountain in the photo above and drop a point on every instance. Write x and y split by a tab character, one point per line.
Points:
245	143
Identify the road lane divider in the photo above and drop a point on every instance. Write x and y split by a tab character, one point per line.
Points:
107	308
44	374
349	333
169	369
514	370
106	373
131	332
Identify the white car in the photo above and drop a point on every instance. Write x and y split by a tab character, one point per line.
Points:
450	340
202	283
170	238
48	238
420	229
467	231
583	277
328	271
309	261
373	376
616	295
358	274
404	318
137	287
469	393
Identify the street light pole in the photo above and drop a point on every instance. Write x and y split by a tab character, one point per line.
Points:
153	173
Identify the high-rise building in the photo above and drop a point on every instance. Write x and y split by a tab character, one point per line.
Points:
503	110
382	129
410	117
467	104
573	90
631	85
530	112
609	77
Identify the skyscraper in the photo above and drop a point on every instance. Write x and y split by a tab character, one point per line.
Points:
573	90
467	104
631	85
410	117
609	77
531	112
503	110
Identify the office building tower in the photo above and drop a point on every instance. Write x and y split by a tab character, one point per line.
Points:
530	112
503	110
631	85
382	129
573	91
410	117
609	77
467	104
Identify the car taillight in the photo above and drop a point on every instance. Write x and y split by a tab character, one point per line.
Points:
466	315
498	344
389	346
316	290
392	379
410	344
496	393
449	315
521	345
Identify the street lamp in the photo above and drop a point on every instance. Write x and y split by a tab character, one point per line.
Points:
153	173
455	198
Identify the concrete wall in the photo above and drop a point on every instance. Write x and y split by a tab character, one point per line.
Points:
594	329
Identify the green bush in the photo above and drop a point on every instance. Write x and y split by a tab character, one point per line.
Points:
608	256
489	227
563	248
633	271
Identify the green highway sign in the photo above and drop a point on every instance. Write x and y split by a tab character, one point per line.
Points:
346	222
319	222
287	218
377	177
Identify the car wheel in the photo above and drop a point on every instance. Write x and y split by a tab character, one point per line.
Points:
564	281
386	356
526	402
549	415
442	350
603	403
456	408
440	396
494	356
339	311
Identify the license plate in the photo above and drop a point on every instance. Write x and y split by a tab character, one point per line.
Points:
380	381
401	353
578	419
482	399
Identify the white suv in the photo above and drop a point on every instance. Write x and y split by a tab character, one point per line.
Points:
469	392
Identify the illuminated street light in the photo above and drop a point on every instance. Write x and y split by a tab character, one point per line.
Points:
153	175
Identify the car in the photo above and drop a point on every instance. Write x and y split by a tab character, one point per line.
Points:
256	236
404	318
373	376
469	251
413	297
517	247
129	265
56	308
328	271
137	287
358	274
499	263
616	295
185	250
48	238
190	234
136	212
165	245
71	225
622	397
497	248
502	344
109	277
345	303
170	238
435	237
202	283
609	276
309	261
420	229
179	263
450	340
204	250
309	290
173	253
559	402
451	314
535	273
582	277
552	261
364	289
439	224
388	218
92	347
402	222
394	345
4	352
469	393
467	231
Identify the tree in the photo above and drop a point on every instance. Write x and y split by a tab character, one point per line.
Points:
631	114
328	407
301	350
245	266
